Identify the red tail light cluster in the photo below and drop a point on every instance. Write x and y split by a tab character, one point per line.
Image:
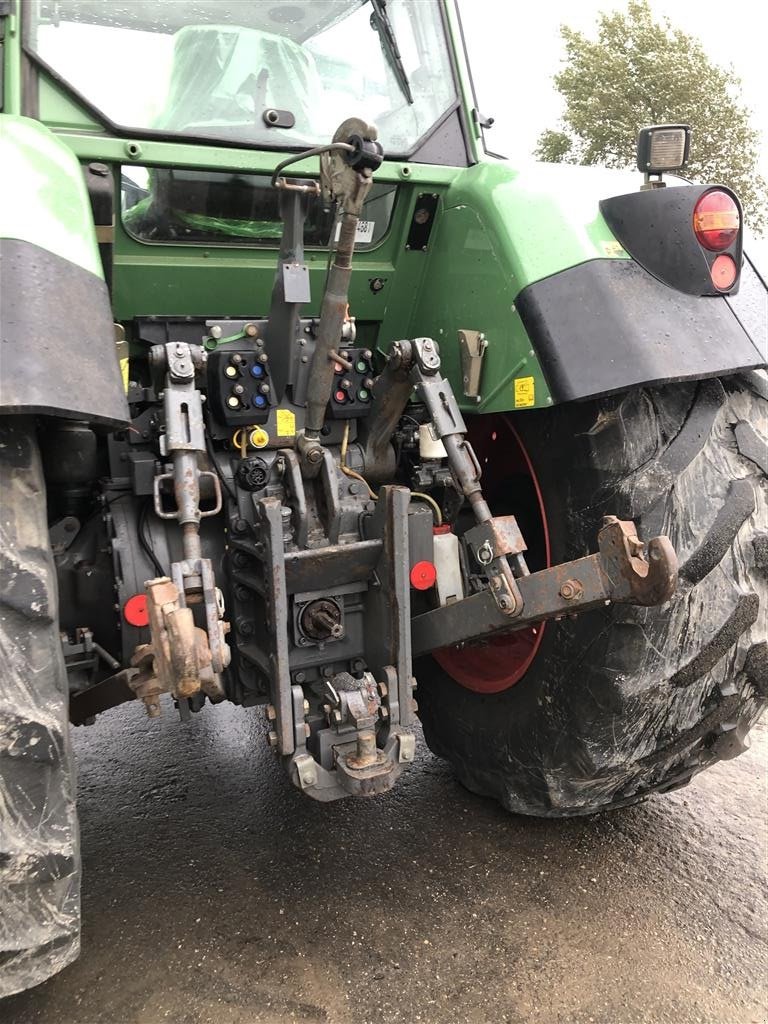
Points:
717	222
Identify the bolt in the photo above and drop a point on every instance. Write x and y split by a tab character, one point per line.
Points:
307	730
384	712
383	689
337	717
241	593
271	713
299	677
414	706
327	709
244	627
503	602
315	455
251	330
306	706
239	526
571	590
216	331
272	738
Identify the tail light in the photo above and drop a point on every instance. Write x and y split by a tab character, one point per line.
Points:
716	221
723	272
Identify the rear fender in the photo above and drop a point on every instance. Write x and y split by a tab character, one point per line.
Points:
537	262
57	337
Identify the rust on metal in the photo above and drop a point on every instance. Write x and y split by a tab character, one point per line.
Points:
366	754
178	659
648	582
618	574
572	590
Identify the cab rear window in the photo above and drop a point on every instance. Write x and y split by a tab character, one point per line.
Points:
161	204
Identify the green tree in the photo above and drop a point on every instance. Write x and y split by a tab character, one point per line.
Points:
640	72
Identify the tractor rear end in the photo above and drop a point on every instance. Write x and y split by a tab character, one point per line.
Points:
336	412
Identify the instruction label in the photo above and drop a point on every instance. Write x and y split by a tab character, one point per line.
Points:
286	423
363	231
525	392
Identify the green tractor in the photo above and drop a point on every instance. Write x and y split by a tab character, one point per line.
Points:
311	405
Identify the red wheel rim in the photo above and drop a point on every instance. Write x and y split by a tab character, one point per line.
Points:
495	665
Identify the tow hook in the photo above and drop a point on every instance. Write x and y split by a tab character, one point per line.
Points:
618	574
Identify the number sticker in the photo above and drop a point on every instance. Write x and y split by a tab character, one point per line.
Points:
525	392
363	231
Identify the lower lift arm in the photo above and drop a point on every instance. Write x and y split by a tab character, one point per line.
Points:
514	598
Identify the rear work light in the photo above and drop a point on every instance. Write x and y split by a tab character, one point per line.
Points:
663	147
716	220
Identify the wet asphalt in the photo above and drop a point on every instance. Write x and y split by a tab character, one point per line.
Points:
215	892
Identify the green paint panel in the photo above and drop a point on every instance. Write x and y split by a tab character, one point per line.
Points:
542	219
197	280
50	206
469	287
500	230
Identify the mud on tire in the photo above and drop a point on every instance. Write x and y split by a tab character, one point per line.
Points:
627	701
39	856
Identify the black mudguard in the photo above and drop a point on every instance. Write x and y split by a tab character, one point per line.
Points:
608	325
57	340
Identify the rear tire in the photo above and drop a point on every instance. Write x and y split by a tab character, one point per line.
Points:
39	850
626	701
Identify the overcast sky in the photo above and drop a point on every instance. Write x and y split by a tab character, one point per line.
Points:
516	48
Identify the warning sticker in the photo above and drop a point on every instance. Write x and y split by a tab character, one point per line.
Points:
286	423
124	374
363	231
525	392
613	248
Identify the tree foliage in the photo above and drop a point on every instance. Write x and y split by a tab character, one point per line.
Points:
640	72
